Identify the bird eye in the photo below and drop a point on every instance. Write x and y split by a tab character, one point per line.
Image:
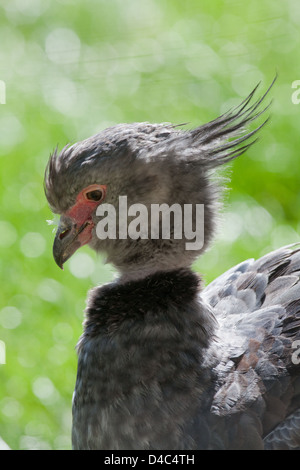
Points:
95	195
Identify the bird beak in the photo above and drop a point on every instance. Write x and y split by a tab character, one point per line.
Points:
68	239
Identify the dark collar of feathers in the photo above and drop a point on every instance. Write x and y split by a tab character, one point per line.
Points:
163	295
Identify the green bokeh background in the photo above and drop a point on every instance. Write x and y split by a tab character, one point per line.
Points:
73	68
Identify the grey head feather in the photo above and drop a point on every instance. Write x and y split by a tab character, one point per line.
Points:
154	163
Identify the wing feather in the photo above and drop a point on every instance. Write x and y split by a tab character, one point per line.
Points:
257	306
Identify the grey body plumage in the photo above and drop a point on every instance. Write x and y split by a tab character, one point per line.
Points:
164	363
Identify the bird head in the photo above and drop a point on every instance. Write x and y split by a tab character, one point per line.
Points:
146	165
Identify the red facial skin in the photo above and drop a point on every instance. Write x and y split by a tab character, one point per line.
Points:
82	211
76	225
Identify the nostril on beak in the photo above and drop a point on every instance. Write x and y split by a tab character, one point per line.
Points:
64	233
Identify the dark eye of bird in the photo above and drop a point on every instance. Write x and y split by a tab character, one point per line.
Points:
94	195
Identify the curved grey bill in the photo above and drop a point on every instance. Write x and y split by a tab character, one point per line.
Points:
66	241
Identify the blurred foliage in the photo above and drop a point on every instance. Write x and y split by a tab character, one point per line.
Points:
70	70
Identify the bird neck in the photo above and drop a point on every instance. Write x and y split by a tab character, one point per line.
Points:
140	274
170	298
142	357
